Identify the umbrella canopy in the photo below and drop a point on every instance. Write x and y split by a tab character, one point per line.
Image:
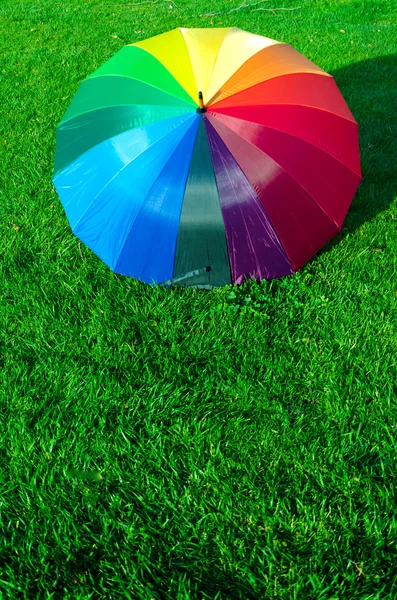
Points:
205	157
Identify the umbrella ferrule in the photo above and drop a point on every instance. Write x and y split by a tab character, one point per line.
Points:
201	109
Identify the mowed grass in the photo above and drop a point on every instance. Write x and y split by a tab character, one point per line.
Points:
245	437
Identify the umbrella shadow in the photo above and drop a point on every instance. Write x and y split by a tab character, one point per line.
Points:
369	88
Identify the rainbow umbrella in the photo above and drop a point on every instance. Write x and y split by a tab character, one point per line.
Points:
205	157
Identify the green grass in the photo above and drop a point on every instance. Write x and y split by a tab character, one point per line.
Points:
246	438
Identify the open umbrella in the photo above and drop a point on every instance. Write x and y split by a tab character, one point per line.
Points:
205	157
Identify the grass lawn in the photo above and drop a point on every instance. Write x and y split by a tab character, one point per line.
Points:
246	437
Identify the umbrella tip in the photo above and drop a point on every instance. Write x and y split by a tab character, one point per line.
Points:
201	109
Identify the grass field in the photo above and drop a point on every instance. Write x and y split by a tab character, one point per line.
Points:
245	437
